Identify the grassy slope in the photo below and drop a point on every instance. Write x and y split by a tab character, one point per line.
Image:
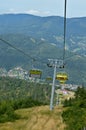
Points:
37	118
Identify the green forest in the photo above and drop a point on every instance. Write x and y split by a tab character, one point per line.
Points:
16	94
13	89
75	111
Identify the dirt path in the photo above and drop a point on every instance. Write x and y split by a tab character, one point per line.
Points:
37	118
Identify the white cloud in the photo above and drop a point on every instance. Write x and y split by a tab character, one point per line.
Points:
38	12
32	11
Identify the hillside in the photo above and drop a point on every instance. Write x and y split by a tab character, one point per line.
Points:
42	38
14	89
37	118
49	29
41	51
40	117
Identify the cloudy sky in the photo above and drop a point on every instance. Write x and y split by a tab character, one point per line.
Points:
75	8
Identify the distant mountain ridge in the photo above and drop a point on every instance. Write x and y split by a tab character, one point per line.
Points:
49	28
42	38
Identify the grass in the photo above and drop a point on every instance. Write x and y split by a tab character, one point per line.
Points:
37	118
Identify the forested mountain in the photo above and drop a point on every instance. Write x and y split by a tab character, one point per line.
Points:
42	38
49	29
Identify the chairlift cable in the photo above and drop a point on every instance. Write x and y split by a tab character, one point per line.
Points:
64	48
21	51
9	44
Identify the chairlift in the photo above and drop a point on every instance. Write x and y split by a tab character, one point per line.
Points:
62	77
35	73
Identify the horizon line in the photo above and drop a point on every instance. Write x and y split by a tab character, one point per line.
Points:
40	15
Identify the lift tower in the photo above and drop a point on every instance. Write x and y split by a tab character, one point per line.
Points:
55	63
